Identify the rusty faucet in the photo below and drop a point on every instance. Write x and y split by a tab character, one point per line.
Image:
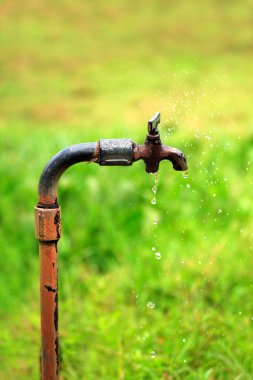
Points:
106	152
153	151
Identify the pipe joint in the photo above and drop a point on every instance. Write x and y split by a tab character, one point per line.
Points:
47	224
115	152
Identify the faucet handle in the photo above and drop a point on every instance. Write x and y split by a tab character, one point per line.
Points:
153	124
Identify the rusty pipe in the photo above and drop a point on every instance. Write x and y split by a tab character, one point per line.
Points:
48	232
106	152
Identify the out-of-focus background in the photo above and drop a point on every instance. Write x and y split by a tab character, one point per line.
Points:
76	71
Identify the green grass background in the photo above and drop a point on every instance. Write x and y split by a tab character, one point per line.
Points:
76	71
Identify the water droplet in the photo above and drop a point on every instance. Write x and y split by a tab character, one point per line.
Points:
154	188
156	178
183	340
155	221
153	354
188	185
219	211
158	255
153	248
151	305
185	174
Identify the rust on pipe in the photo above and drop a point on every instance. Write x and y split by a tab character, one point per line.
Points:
49	310
47	224
122	152
48	232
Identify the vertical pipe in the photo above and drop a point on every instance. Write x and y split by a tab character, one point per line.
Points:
48	232
49	310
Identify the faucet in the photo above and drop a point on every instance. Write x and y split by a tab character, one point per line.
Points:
153	151
106	152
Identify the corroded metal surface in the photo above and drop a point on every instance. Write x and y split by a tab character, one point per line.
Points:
153	151
152	154
48	232
47	224
49	310
48	221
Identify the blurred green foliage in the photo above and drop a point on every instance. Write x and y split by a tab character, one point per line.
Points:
79	71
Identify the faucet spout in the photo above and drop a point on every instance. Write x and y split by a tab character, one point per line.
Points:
176	157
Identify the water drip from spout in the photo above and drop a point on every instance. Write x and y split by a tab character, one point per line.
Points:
154	188
185	174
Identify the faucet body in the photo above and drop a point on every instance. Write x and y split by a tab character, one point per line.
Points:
106	152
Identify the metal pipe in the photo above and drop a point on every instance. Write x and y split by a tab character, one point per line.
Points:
57	165
49	310
48	232
122	152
